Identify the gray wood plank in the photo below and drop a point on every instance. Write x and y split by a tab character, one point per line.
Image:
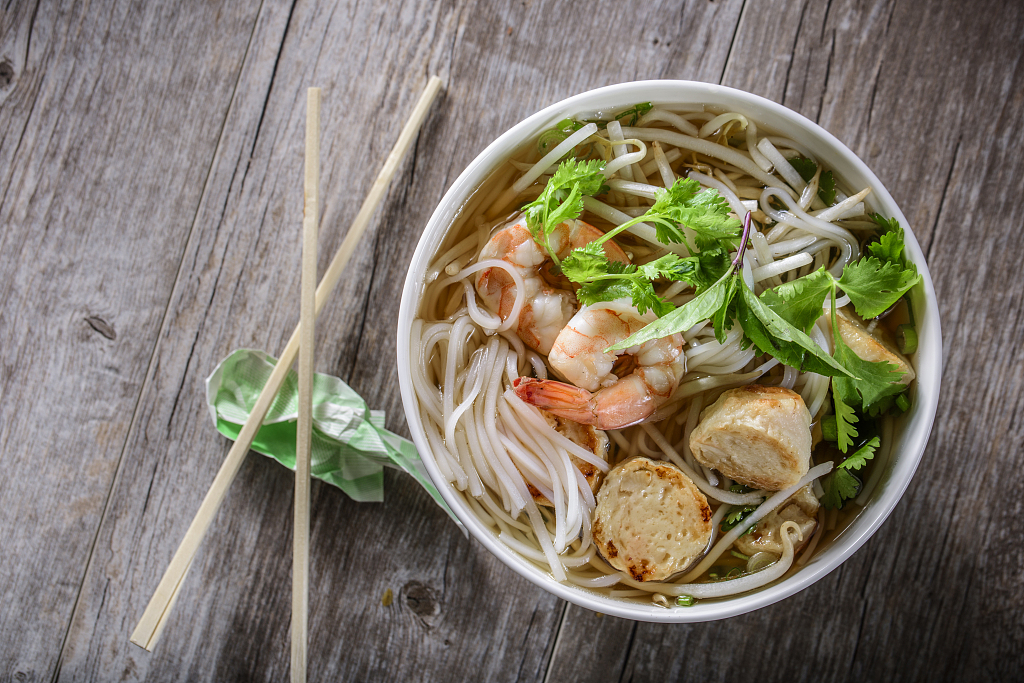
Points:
458	613
929	94
109	116
937	593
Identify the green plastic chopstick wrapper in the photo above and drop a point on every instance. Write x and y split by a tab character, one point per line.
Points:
350	446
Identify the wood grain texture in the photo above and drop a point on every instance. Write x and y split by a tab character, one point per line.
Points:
99	181
181	133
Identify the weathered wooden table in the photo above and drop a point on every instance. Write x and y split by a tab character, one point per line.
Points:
150	204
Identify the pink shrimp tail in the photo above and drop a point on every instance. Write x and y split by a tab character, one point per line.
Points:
564	400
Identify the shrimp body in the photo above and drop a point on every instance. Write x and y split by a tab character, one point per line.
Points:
549	299
609	390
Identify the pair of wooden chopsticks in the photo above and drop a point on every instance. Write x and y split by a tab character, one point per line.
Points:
155	617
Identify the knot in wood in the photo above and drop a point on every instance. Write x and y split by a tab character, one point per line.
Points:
6	74
421	599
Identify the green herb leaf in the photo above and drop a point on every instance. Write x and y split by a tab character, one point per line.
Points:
605	280
826	183
890	244
863	454
827	188
841	485
874	380
845	419
800	302
685	204
868	381
774	335
736	515
588	262
874	286
701	307
562	199
805	167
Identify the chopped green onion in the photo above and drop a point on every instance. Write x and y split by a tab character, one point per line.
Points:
686	601
759	561
549	139
902	402
739	555
734	572
829	428
906	337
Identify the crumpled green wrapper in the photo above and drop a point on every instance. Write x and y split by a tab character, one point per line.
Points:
350	447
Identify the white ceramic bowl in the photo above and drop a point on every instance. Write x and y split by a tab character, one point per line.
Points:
912	429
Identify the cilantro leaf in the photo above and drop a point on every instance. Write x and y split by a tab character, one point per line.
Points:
827	188
826	183
774	335
562	199
671	267
685	204
863	454
845	417
586	262
868	381
604	280
889	246
840	485
736	515
876	380
874	286
887	225
800	301
712	265
805	167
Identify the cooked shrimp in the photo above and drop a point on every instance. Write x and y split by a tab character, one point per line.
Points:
612	390
550	301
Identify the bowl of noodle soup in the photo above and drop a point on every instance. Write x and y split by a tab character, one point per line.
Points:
493	458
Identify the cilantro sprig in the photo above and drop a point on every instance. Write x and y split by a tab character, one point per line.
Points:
841	484
562	200
680	207
736	515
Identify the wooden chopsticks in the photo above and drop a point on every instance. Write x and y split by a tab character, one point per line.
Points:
307	322
150	626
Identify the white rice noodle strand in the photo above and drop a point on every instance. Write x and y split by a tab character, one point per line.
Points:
552	157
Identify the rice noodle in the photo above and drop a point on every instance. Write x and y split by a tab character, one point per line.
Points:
552	157
763	510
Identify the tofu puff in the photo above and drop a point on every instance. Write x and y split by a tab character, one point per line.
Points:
587	436
800	508
872	346
757	435
651	521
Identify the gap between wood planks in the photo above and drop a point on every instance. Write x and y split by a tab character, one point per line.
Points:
150	369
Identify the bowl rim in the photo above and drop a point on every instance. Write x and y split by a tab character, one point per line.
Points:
916	424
